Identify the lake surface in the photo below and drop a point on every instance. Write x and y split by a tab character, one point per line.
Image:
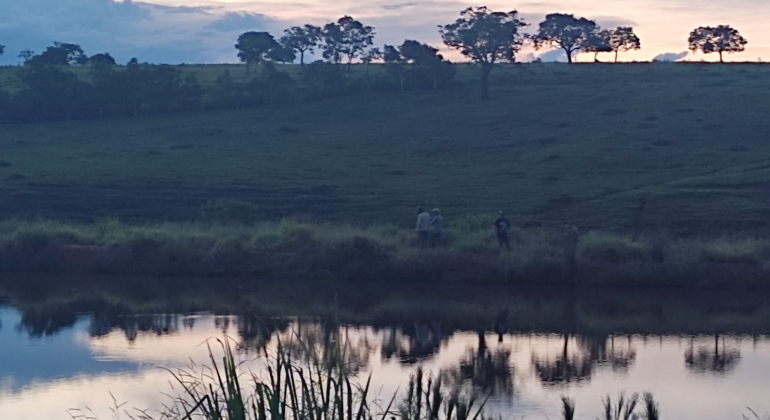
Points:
77	353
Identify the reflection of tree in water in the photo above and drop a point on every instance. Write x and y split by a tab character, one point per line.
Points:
328	345
103	324
413	344
711	360
590	351
40	323
484	369
256	332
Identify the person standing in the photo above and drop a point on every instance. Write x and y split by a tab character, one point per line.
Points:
423	227
502	230
438	227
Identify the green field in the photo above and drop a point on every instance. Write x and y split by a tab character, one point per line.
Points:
581	144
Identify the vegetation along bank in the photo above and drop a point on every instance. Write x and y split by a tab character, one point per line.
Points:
295	250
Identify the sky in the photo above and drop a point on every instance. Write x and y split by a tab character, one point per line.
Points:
204	31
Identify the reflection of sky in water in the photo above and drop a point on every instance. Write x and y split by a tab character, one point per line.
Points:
663	25
43	377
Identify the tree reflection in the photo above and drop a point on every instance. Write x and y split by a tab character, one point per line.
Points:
715	360
328	345
255	332
420	342
488	370
579	364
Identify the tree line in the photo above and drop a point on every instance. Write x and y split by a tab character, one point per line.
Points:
486	37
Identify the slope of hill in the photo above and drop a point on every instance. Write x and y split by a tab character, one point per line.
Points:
681	147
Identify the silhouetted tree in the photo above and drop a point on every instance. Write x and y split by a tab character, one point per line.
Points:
255	47
566	32
347	38
52	94
599	42
372	54
419	64
26	54
722	39
302	39
60	54
2	49
486	37
282	54
102	59
623	39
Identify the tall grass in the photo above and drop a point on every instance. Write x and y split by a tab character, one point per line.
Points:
372	252
314	390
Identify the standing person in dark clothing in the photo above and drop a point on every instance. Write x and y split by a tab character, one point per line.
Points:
502	230
438	227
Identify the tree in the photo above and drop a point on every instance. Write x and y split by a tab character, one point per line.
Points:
566	32
255	47
282	54
2	49
486	37
370	55
599	42
623	39
60	54
26	54
421	64
346	38
102	59
722	39
302	39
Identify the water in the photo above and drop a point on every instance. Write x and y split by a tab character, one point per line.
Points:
57	356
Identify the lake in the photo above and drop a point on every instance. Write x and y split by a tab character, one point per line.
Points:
69	346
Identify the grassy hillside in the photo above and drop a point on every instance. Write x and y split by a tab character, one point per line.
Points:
584	144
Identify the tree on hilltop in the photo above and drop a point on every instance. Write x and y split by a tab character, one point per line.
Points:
418	63
623	39
255	47
26	55
370	55
486	37
599	42
346	38
722	39
60	54
567	32
102	59
302	39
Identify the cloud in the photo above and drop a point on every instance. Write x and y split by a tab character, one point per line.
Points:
553	56
150	32
398	6
239	22
612	22
670	57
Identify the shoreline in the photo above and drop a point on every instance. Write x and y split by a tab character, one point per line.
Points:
291	250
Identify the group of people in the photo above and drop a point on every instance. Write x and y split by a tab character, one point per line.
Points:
430	228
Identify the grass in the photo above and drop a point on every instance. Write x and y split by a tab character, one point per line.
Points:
637	147
382	253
